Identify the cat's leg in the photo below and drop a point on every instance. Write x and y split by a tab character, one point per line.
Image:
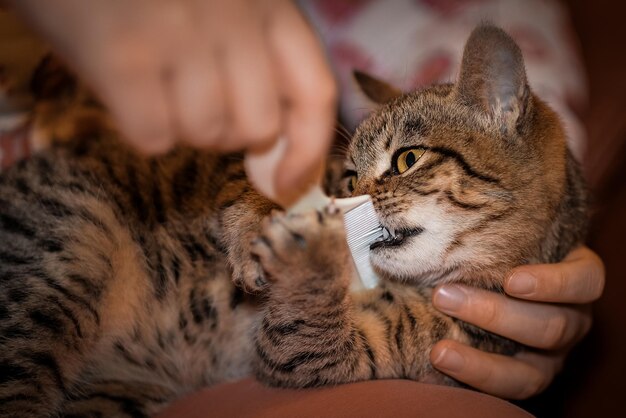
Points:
242	210
308	336
315	332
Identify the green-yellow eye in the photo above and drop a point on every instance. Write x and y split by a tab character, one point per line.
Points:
350	176
352	184
408	158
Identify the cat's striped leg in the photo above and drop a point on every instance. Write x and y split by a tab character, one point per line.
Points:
308	336
315	332
241	210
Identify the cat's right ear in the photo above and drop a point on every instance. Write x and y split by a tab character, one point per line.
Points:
493	78
376	90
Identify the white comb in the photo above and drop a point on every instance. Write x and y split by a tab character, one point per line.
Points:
360	219
362	229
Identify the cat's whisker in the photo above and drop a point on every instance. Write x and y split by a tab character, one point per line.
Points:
345	130
343	135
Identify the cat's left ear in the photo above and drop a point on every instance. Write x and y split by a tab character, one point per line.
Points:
493	78
376	90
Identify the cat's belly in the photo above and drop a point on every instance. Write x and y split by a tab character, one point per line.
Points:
180	347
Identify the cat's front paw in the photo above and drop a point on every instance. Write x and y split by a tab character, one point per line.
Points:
248	273
297	247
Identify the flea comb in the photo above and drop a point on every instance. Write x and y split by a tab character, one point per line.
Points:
362	229
360	219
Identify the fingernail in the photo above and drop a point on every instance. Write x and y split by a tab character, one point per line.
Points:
449	299
521	284
449	360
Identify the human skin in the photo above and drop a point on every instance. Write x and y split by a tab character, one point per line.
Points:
222	74
546	307
233	75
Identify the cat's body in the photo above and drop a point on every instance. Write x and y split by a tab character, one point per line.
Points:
124	265
117	272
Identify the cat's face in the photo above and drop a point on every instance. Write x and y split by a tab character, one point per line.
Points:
465	176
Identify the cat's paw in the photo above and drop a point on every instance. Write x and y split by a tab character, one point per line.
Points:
248	273
303	247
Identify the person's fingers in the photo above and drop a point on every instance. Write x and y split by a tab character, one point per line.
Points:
198	101
309	91
579	278
499	375
115	55
132	87
537	325
249	73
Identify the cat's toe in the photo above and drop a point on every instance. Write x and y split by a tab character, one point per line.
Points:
249	275
262	250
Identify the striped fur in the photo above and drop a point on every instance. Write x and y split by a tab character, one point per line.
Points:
114	274
121	276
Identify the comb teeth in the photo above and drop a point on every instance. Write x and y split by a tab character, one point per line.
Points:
362	229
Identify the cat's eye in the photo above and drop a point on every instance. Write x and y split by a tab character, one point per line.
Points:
352	184
352	179
407	159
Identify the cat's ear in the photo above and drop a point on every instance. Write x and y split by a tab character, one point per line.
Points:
493	78
376	90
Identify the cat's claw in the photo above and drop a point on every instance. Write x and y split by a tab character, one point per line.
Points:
332	208
249	276
294	245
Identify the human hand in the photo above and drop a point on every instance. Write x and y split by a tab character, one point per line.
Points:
221	74
550	314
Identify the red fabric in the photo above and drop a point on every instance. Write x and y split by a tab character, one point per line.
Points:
378	398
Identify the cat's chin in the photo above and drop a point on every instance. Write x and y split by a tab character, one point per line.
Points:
411	256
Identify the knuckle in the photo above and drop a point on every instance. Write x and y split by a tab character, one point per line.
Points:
585	325
554	333
597	278
561	282
484	378
590	276
262	127
199	130
122	60
490	313
323	93
536	383
268	128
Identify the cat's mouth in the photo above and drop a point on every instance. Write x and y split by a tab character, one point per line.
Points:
396	238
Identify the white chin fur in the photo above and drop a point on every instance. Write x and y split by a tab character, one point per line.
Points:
420	257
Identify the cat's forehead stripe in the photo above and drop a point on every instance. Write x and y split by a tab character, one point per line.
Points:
383	162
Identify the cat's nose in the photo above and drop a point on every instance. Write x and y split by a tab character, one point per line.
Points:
365	186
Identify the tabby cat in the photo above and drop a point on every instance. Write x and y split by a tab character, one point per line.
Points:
121	276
